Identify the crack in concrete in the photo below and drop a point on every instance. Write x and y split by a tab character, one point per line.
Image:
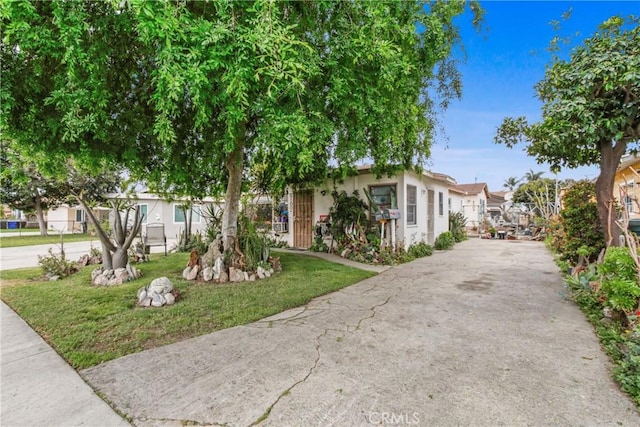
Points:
182	422
286	392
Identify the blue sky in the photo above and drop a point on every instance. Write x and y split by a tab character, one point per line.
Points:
503	64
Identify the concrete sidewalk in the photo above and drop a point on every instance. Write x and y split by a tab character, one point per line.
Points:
477	336
38	388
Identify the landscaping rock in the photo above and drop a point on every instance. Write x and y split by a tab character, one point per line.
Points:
185	272
207	274
267	273
157	293
54	278
246	276
218	268
161	285
236	275
193	274
224	277
260	272
121	274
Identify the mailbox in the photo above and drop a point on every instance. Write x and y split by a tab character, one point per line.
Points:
379	216
391	214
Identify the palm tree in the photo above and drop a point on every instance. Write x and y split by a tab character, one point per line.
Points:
511	183
533	176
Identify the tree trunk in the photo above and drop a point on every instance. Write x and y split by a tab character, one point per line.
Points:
609	160
40	216
232	198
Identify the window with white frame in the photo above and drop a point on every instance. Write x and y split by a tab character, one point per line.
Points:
412	204
384	196
440	203
143	212
80	215
179	214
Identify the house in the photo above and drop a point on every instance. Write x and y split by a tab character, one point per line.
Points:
421	199
153	208
474	203
626	188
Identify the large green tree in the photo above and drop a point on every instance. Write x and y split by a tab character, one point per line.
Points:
27	187
591	111
190	95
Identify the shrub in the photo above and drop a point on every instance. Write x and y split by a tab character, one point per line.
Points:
56	265
580	224
444	241
457	226
419	250
345	212
319	245
619	280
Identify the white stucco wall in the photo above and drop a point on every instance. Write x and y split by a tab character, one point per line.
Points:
322	202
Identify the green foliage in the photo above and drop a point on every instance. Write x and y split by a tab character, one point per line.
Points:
590	109
319	245
194	241
346	212
444	241
191	95
620	280
580	224
420	250
254	245
458	226
56	265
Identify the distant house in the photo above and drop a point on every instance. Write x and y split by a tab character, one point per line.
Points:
153	208
626	188
474	203
422	199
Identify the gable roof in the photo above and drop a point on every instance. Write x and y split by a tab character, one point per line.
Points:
476	188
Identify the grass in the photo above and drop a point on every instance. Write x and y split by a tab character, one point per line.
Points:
88	325
13	241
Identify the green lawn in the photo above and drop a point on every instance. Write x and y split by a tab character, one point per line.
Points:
13	241
88	325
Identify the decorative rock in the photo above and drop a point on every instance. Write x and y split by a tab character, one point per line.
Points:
260	272
193	274
224	277
267	273
134	273
185	272
145	302
107	273
95	273
207	274
100	280
121	274
213	253
218	267
157	300
169	299
142	294
246	276
54	278
236	275
161	285
252	278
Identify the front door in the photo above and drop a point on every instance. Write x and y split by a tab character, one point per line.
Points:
303	219
431	210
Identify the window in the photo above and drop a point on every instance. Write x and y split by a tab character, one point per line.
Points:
178	214
440	203
80	215
384	196
449	204
143	213
482	204
412	202
629	197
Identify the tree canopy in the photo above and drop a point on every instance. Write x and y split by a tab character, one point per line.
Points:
591	111
190	95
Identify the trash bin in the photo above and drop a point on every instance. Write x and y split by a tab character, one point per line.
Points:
13	225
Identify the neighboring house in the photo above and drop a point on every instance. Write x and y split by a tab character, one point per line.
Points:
157	210
422	200
72	219
474	203
626	188
153	208
496	204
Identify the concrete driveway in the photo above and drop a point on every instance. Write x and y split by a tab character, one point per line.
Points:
481	335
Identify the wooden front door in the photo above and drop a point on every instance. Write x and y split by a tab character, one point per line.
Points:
303	219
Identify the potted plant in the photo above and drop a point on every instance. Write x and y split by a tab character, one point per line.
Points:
493	232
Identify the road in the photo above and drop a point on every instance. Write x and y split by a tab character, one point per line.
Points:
27	256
